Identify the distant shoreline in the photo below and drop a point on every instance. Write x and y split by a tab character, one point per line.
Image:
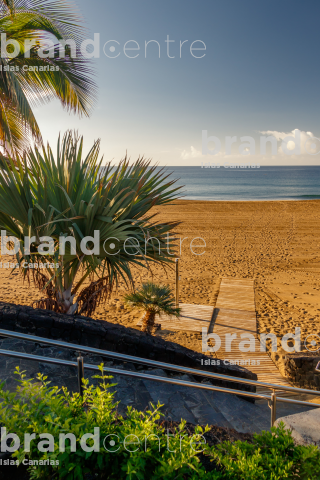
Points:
252	200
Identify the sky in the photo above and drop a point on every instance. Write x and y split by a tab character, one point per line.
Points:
259	72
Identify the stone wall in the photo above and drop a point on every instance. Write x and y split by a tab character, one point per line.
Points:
300	370
117	338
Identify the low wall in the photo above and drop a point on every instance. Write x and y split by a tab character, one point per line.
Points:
300	370
117	338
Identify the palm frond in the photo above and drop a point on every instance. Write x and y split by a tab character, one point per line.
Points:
153	298
59	76
69	79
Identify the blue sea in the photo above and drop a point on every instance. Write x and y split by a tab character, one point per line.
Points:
264	183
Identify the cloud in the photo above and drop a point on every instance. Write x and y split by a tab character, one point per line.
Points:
308	142
193	153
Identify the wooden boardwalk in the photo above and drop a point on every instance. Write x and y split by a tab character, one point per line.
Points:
193	318
235	314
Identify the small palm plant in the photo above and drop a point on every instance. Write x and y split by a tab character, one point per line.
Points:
154	299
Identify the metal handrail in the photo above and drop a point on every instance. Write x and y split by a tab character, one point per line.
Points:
154	363
129	373
81	366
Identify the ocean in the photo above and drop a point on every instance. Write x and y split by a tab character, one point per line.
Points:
264	183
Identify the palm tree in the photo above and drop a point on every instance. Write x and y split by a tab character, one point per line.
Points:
155	300
29	79
69	195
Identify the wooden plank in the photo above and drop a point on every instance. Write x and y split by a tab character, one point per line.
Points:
235	313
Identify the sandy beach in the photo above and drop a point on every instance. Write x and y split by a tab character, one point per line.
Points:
275	242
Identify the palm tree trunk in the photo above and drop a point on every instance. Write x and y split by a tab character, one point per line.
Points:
148	321
64	297
65	301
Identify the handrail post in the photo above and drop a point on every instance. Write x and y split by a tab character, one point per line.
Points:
273	407
177	282
80	374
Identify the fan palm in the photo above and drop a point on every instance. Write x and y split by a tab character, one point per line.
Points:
72	196
154	300
28	79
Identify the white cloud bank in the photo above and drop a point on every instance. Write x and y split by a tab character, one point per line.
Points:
308	143
296	145
193	153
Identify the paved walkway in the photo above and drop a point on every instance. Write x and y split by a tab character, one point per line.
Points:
235	314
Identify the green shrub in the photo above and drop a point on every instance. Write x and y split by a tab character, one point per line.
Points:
36	408
272	456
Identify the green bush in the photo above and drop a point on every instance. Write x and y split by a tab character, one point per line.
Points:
142	450
271	456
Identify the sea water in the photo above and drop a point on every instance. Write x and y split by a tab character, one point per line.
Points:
264	183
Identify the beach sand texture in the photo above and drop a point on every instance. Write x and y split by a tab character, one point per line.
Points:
276	243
